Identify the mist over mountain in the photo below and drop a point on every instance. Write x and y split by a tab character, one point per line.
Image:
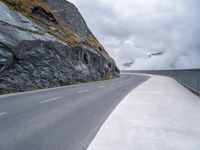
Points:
130	30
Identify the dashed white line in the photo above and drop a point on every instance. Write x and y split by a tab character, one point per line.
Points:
100	87
49	100
3	113
84	91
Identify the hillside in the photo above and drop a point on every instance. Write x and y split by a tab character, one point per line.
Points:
46	43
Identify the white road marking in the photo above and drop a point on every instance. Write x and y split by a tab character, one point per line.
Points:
50	89
3	113
80	92
100	87
49	100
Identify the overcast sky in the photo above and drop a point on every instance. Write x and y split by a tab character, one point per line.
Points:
131	29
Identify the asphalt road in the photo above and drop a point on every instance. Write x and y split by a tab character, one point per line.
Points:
65	118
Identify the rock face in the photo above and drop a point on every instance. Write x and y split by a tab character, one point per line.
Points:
71	18
46	43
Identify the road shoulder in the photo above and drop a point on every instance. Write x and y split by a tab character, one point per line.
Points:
159	114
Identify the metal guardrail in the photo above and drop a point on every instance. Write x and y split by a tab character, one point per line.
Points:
188	78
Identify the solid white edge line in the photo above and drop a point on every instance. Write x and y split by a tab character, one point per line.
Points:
49	89
49	100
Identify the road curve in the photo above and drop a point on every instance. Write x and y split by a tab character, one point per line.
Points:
160	114
64	118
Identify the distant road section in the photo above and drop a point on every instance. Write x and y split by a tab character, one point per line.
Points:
160	114
64	118
190	78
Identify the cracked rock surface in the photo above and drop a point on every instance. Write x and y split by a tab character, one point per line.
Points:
32	56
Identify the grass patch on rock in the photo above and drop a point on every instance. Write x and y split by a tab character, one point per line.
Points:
39	11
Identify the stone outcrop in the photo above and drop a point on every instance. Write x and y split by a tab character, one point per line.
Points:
46	43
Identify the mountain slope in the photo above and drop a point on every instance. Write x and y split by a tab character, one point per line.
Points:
46	43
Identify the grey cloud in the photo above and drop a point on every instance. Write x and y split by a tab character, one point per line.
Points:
131	29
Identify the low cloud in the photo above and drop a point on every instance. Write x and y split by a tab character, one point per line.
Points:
130	30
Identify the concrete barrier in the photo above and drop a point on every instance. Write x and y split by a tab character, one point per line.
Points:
188	78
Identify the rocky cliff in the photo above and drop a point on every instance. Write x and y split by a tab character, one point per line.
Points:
46	43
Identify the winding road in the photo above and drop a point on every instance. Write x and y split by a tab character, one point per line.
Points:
65	118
